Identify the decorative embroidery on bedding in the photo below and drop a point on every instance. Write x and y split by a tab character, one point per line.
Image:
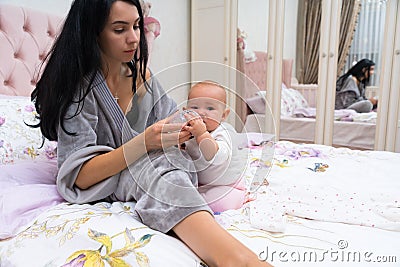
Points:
18	141
105	252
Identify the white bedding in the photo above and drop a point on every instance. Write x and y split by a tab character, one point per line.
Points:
339	115
351	129
360	135
319	201
348	207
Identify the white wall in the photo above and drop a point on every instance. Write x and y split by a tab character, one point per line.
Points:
290	31
170	48
253	19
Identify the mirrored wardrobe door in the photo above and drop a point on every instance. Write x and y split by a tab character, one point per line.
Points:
393	136
388	125
359	70
300	66
252	40
213	45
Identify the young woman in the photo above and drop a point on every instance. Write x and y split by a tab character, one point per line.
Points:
350	88
97	98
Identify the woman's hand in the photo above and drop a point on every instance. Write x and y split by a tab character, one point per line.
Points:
163	134
374	101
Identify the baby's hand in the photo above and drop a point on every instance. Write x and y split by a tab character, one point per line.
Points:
196	126
164	134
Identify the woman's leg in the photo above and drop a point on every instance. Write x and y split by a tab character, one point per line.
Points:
363	106
213	244
164	191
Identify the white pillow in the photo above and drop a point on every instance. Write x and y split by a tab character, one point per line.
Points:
19	141
263	94
291	100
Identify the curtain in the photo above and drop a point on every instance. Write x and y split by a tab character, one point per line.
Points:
368	36
348	23
309	24
308	40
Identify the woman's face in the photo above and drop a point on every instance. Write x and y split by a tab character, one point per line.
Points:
371	70
120	37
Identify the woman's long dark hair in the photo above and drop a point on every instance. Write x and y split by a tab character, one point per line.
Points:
358	71
75	55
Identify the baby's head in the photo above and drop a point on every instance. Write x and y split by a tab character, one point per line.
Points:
208	99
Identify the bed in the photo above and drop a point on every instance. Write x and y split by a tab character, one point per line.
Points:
298	103
304	204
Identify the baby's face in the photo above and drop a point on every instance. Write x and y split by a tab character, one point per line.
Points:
209	102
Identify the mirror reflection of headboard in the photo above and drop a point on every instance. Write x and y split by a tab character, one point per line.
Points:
255	77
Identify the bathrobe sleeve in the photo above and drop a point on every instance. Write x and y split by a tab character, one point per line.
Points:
347	94
99	127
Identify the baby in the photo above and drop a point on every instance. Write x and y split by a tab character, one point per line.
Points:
211	147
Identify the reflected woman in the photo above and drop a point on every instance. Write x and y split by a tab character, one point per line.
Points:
350	88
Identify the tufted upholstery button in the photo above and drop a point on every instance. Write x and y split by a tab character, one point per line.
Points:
24	32
41	56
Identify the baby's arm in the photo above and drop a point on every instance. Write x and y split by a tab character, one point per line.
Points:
208	146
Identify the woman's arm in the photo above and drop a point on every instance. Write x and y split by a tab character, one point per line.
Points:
108	164
158	136
348	98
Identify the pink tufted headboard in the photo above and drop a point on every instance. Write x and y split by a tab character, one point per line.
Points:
256	78
26	35
257	72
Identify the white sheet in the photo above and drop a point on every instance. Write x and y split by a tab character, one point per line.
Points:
326	186
66	231
323	202
360	135
344	213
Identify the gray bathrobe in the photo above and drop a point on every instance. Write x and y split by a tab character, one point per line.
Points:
349	95
163	183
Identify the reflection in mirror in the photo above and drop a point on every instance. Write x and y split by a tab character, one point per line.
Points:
368	37
300	64
252	62
361	37
297	92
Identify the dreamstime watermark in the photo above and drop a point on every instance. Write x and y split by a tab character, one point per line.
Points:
339	254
